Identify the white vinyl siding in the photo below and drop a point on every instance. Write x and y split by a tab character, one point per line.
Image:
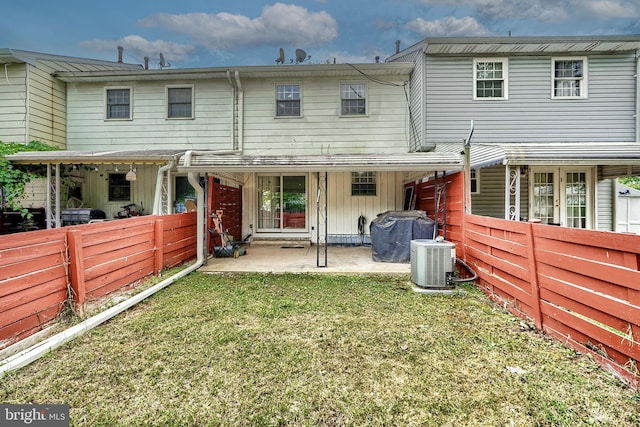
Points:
322	129
210	129
531	115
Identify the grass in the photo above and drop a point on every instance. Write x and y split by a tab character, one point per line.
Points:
307	350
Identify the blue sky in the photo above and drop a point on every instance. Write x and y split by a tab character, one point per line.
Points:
201	33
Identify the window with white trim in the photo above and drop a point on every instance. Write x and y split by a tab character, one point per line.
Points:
118	103
288	100
180	102
490	78
353	99
569	78
475	181
363	183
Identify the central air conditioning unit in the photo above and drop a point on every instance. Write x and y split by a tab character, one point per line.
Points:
432	263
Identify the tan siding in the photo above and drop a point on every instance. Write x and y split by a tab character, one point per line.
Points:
13	100
47	122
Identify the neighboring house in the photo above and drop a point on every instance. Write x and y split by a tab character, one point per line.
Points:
627	209
313	147
554	120
33	103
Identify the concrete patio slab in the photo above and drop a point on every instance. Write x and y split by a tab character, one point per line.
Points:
303	259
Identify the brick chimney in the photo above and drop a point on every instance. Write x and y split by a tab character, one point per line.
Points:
146	62
120	50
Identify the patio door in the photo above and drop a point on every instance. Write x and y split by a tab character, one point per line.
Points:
282	203
562	196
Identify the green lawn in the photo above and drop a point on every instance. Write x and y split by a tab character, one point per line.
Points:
311	350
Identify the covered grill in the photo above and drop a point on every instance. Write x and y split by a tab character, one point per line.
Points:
392	232
72	216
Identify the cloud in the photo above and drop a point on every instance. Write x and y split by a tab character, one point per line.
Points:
139	47
548	11
607	9
279	24
449	27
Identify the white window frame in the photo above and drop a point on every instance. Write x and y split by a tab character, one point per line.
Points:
365	97
166	101
584	81
370	176
300	91
505	79
106	103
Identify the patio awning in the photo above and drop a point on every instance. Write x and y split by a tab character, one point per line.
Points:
552	154
95	157
431	161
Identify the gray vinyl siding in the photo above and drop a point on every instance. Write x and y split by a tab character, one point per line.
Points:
490	200
530	115
13	99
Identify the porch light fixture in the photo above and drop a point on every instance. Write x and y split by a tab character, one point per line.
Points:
131	175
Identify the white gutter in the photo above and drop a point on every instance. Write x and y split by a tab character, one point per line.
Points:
240	112
157	199
38	350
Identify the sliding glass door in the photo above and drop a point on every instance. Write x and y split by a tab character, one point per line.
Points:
282	203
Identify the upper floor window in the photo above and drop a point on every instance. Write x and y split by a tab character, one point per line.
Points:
490	78
288	100
569	77
180	102
363	183
353	99
118	103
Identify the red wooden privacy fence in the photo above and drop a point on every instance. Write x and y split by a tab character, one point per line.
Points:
580	286
44	271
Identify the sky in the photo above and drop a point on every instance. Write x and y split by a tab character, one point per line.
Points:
219	33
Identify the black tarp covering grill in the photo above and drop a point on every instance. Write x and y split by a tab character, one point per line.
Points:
392	232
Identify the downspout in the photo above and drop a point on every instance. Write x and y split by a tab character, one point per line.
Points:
240	95
233	109
33	353
199	205
157	199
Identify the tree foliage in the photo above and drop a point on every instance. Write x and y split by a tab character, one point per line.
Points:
631	181
14	177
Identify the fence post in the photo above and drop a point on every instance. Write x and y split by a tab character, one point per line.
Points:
159	245
533	278
76	270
